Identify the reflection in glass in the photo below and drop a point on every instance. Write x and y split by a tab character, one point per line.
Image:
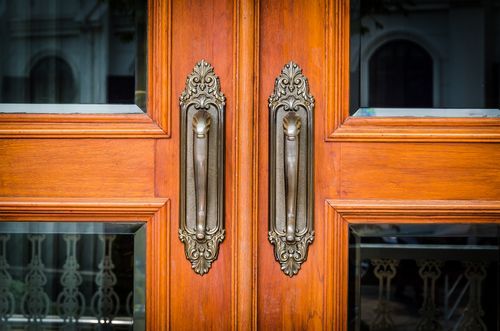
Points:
425	54
73	52
424	277
72	276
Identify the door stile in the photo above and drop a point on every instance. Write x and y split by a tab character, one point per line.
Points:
244	273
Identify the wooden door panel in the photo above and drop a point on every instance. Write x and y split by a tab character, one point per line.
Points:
77	168
202	30
292	31
419	171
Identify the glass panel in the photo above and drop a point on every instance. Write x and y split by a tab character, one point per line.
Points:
72	276
424	277
427	55
72	52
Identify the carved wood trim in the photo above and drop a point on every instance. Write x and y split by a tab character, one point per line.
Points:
337	65
341	213
245	178
340	127
155	124
160	63
78	126
154	212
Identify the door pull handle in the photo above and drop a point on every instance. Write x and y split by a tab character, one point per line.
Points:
201	225
291	205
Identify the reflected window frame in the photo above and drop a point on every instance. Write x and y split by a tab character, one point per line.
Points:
359	75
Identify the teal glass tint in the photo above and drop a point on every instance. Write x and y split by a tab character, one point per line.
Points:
72	52
424	277
72	276
425	57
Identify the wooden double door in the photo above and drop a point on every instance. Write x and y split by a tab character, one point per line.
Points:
126	168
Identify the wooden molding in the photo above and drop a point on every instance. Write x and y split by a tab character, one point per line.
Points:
245	237
418	129
159	103
337	65
154	212
78	126
340	213
340	127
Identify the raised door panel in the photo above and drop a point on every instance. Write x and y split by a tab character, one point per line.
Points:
420	171
90	168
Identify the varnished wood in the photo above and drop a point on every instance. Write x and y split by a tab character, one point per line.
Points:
204	30
419	171
78	126
100	168
159	103
244	275
292	30
481	130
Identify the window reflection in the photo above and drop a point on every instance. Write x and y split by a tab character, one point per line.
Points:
72	276
424	277
425	54
71	51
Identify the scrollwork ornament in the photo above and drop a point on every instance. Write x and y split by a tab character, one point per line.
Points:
472	320
201	253
105	302
35	301
290	255
7	301
71	302
291	90
202	88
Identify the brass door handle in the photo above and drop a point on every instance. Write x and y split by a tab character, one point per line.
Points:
201	126
201	225
291	173
291	129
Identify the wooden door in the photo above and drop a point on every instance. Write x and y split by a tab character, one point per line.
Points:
106	168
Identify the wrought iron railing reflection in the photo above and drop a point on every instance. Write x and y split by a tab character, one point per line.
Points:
59	294
440	287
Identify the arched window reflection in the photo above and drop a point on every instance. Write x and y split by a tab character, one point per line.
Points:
401	75
51	81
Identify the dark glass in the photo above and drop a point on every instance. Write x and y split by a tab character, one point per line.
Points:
424	277
72	52
428	55
72	276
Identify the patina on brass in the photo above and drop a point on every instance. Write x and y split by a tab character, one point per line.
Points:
291	169
201	227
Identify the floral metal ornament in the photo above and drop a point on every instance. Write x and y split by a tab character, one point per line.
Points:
7	300
201	227
291	172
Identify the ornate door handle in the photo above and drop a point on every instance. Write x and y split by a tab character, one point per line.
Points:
291	126
291	178
201	126
201	227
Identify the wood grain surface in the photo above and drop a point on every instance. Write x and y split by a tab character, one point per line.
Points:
126	167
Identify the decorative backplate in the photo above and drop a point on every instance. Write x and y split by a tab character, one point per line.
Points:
291	172
202	167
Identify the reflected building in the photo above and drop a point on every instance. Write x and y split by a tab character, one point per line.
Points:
425	54
72	51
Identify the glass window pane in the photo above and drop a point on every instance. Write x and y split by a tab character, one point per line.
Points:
427	55
73	276
424	277
72	52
